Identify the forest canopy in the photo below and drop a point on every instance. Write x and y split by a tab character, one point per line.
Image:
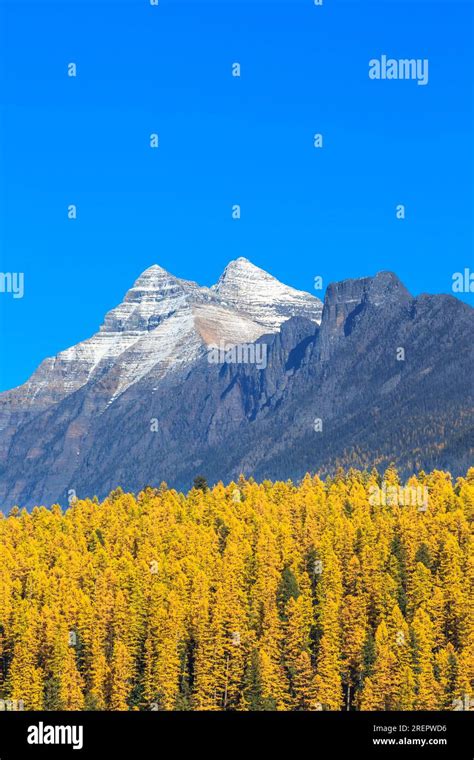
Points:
270	596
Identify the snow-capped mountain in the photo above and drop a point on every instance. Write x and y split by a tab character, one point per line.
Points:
163	325
164	322
82	421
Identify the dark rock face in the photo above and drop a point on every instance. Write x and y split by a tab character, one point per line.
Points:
346	300
389	377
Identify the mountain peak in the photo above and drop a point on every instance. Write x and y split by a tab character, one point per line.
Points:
154	294
242	267
154	268
387	283
251	290
152	278
345	299
383	287
242	263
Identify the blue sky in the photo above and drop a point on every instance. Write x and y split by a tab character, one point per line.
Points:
167	69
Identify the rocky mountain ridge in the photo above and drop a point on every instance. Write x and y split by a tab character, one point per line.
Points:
140	402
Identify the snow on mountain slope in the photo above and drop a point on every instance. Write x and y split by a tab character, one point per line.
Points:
155	296
162	323
249	289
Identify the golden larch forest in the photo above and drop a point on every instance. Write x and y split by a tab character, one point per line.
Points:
270	596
